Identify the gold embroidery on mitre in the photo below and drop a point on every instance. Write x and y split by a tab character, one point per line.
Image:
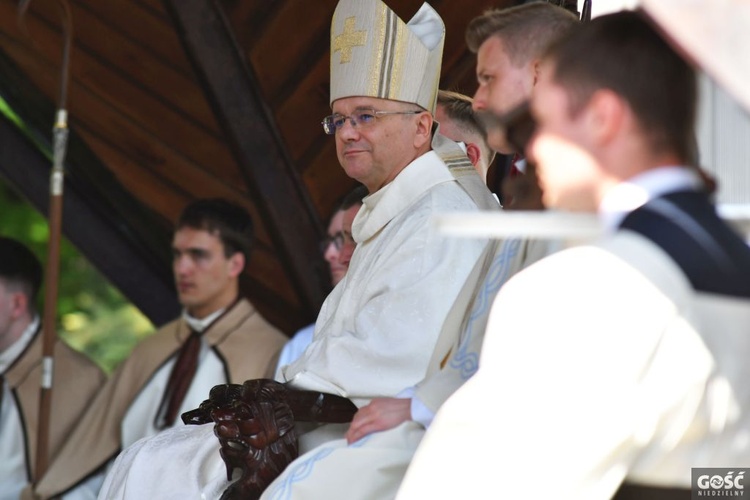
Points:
391	60
381	23
399	58
348	39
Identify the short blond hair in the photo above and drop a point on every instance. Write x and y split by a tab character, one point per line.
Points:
458	107
527	31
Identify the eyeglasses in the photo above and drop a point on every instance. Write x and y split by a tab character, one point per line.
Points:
337	240
360	118
348	238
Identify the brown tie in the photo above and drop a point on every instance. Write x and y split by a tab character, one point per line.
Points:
180	379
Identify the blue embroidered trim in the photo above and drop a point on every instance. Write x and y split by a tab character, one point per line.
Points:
464	361
301	470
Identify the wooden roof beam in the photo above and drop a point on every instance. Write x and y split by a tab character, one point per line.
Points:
115	233
105	243
235	96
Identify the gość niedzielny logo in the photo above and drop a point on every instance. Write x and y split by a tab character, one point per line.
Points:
726	484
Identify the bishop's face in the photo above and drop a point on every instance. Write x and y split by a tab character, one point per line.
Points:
375	153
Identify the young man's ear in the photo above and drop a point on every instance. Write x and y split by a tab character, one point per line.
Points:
606	113
474	153
19	304
236	264
536	66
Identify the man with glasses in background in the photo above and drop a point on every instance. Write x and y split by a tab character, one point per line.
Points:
337	249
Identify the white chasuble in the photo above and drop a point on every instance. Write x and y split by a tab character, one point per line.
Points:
374	336
658	386
377	330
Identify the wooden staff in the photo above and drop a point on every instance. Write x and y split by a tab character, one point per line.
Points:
49	323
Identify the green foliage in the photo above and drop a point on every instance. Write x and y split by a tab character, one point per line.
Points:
94	317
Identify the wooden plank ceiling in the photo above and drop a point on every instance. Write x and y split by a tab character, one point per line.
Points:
137	104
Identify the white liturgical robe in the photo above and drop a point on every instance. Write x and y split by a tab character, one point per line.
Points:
624	360
376	331
375	334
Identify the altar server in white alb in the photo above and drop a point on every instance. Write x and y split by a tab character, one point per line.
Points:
377	330
622	364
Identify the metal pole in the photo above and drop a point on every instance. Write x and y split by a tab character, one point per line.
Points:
52	272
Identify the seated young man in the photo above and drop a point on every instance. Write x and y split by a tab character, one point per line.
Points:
220	338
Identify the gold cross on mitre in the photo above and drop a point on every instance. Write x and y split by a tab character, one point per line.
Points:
348	39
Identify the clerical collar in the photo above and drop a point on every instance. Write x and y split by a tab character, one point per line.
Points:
199	325
642	188
380	207
8	357
520	164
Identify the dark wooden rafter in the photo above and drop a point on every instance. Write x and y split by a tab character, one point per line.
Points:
102	83
456	78
303	50
263	17
112	14
255	16
37	112
231	88
317	51
155	7
115	249
149	126
94	59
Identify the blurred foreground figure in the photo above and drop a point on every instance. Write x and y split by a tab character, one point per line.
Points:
509	44
76	378
624	360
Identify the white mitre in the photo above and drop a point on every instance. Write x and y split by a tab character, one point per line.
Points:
376	54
